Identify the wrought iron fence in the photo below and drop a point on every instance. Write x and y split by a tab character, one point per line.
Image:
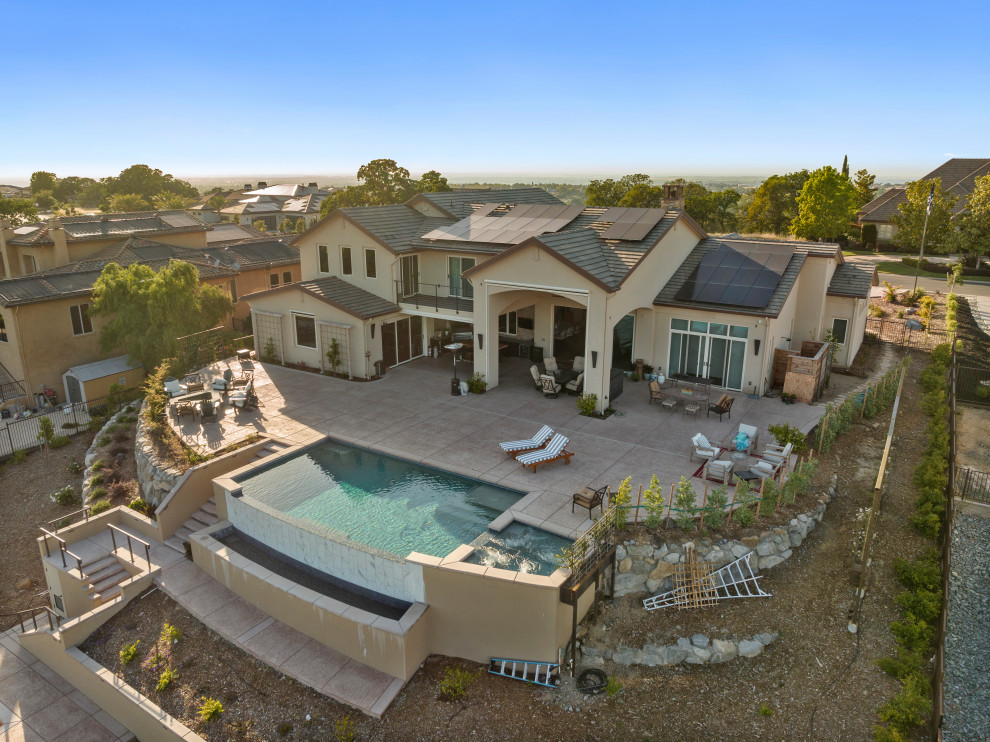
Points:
972	484
896	330
209	346
582	556
24	433
973	384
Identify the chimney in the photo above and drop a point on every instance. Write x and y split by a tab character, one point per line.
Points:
57	234
247	186
313	185
673	196
262	184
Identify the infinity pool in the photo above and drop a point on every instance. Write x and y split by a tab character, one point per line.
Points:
391	504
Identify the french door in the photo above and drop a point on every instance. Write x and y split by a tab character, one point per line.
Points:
410	275
713	354
459	286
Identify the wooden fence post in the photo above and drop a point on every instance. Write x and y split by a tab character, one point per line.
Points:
669	505
639	499
821	437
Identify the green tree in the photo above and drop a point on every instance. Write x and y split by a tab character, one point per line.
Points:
216	202
864	186
610	192
826	205
642	196
44	199
349	196
385	182
148	183
91	195
43	181
972	234
845	167
124	202
774	203
260	224
147	311
300	226
167	201
18	210
911	219
433	182
723	208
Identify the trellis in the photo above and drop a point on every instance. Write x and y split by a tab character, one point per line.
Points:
201	348
330	331
268	329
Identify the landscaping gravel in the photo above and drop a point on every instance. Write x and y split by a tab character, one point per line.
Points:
967	643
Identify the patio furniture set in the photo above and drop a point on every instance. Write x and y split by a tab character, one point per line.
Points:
769	463
693	396
192	397
553	378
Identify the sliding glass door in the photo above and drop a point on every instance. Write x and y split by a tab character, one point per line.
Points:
459	286
711	351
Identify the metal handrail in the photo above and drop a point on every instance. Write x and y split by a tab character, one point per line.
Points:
33	612
461	303
63	549
84	510
130	546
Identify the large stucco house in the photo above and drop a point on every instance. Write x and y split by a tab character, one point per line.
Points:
517	272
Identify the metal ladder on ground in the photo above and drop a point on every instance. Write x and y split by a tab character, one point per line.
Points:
540	673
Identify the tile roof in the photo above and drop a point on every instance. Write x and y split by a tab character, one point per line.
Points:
461	203
957	176
108	226
801	251
229	231
397	226
339	293
853	279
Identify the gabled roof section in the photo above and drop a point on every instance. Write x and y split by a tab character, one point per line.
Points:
397	227
340	294
688	270
883	206
958	176
231	232
853	279
106	367
460	203
108	226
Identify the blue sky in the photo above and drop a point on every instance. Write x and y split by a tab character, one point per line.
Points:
546	88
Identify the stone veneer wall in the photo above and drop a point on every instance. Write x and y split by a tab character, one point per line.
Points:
645	566
385	574
155	477
698	650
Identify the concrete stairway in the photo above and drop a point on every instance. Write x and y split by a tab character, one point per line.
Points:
205	516
105	574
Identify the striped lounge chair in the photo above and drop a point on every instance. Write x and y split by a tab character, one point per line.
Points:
555	451
514	448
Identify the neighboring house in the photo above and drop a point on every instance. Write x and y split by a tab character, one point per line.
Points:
47	326
957	176
516	272
42	246
274	204
12	191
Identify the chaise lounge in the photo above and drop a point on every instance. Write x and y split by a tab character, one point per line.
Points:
554	451
514	448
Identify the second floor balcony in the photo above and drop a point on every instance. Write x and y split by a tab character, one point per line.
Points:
440	298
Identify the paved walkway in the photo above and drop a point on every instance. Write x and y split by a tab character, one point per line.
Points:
410	413
37	705
980	307
277	645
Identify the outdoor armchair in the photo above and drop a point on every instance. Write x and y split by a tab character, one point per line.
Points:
550	386
578	363
765	468
550	365
535	373
589	498
655	391
752	438
778	454
701	448
718	470
575	385
722	407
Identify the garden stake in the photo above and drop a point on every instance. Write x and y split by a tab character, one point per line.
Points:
639	499
821	438
667	525
760	503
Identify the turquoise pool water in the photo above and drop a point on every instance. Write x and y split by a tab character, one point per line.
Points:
388	503
520	548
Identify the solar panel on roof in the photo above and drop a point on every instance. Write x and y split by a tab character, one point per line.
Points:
631	224
737	274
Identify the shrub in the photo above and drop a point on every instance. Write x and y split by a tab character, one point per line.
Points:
655	503
74	467
743	516
129	653
869	236
765	710
613	686
17	457
875	311
99	507
477	384
170	633
343	730
209	709
714	515
684	501
621	500
98	464
97	493
908	708
455	683
165	679
96	481
118	490
103	441
587	403
890	292
65	496
784	434
145	508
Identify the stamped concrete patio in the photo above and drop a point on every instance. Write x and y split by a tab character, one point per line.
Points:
410	413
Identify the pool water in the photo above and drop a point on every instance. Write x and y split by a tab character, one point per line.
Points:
520	548
391	504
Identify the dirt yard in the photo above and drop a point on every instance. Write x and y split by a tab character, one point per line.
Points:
816	682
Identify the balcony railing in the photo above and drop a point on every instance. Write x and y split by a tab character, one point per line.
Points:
435	296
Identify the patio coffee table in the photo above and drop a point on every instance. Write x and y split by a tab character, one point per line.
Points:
738	456
747	475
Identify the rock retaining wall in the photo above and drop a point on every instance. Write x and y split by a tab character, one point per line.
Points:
698	650
91	454
644	566
155	477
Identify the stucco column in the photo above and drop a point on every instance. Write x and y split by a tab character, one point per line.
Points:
486	325
598	351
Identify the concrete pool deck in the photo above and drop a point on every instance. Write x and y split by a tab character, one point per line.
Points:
410	413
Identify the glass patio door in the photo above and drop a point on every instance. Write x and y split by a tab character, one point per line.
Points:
459	286
410	275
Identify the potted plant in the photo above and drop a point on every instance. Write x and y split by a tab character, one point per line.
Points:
477	384
787	397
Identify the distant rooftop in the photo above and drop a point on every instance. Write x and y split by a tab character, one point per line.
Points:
107	226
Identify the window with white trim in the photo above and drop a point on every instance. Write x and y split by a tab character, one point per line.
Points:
273	281
323	261
81	323
370	269
839	328
346	269
286	277
508	324
305	330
